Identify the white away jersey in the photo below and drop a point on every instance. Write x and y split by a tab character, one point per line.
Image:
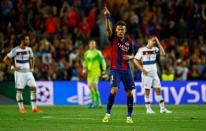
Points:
21	57
148	58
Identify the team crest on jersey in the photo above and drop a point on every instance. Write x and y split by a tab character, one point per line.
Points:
126	43
124	47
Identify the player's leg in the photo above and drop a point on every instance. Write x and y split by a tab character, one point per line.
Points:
92	92
128	83
147	83
91	84
157	85
32	84
115	80
19	99
110	103
19	84
97	94
130	101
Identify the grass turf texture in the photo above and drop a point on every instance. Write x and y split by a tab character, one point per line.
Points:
80	118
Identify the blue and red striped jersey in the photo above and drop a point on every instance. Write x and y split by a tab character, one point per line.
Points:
120	47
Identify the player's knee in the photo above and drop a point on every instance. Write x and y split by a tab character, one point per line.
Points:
129	93
158	91
114	90
19	91
147	92
33	88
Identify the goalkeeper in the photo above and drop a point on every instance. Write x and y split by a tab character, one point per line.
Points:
94	65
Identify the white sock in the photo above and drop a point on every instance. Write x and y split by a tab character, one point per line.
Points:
161	101
147	101
33	99
19	99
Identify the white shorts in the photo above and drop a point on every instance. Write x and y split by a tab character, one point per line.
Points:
24	79
149	81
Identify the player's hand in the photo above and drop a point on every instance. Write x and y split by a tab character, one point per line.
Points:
14	68
104	75
127	57
84	71
156	39
144	72
32	69
106	11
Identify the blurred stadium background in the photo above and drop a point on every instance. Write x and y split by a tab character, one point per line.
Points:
60	30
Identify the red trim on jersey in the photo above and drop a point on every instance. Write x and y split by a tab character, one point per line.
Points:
114	54
149	52
22	52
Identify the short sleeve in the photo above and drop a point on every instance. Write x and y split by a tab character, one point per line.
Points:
157	51
12	53
138	55
31	54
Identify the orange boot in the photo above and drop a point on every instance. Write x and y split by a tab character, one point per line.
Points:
36	110
23	110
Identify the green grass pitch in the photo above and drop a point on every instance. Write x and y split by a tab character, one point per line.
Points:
80	118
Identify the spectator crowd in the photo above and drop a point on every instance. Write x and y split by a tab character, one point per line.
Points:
59	32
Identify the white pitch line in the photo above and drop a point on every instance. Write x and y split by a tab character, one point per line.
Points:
88	118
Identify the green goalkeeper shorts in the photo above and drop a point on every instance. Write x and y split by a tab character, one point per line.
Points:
93	78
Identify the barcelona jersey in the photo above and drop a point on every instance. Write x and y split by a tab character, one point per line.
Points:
119	48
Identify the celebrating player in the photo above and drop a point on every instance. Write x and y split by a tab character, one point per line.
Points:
93	62
121	52
147	55
23	67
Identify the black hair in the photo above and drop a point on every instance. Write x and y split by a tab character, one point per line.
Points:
121	23
22	37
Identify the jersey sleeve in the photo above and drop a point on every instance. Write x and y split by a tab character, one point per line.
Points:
138	55
157	51
102	60
31	54
12	53
84	60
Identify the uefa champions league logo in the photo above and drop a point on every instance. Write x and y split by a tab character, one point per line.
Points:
83	95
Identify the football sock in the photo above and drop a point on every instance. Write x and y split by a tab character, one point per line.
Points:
161	101
147	102
98	99
19	99
33	99
110	102
129	104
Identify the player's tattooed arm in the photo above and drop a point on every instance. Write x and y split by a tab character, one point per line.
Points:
107	21
128	57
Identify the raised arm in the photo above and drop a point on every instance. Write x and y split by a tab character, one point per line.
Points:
162	51
107	21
